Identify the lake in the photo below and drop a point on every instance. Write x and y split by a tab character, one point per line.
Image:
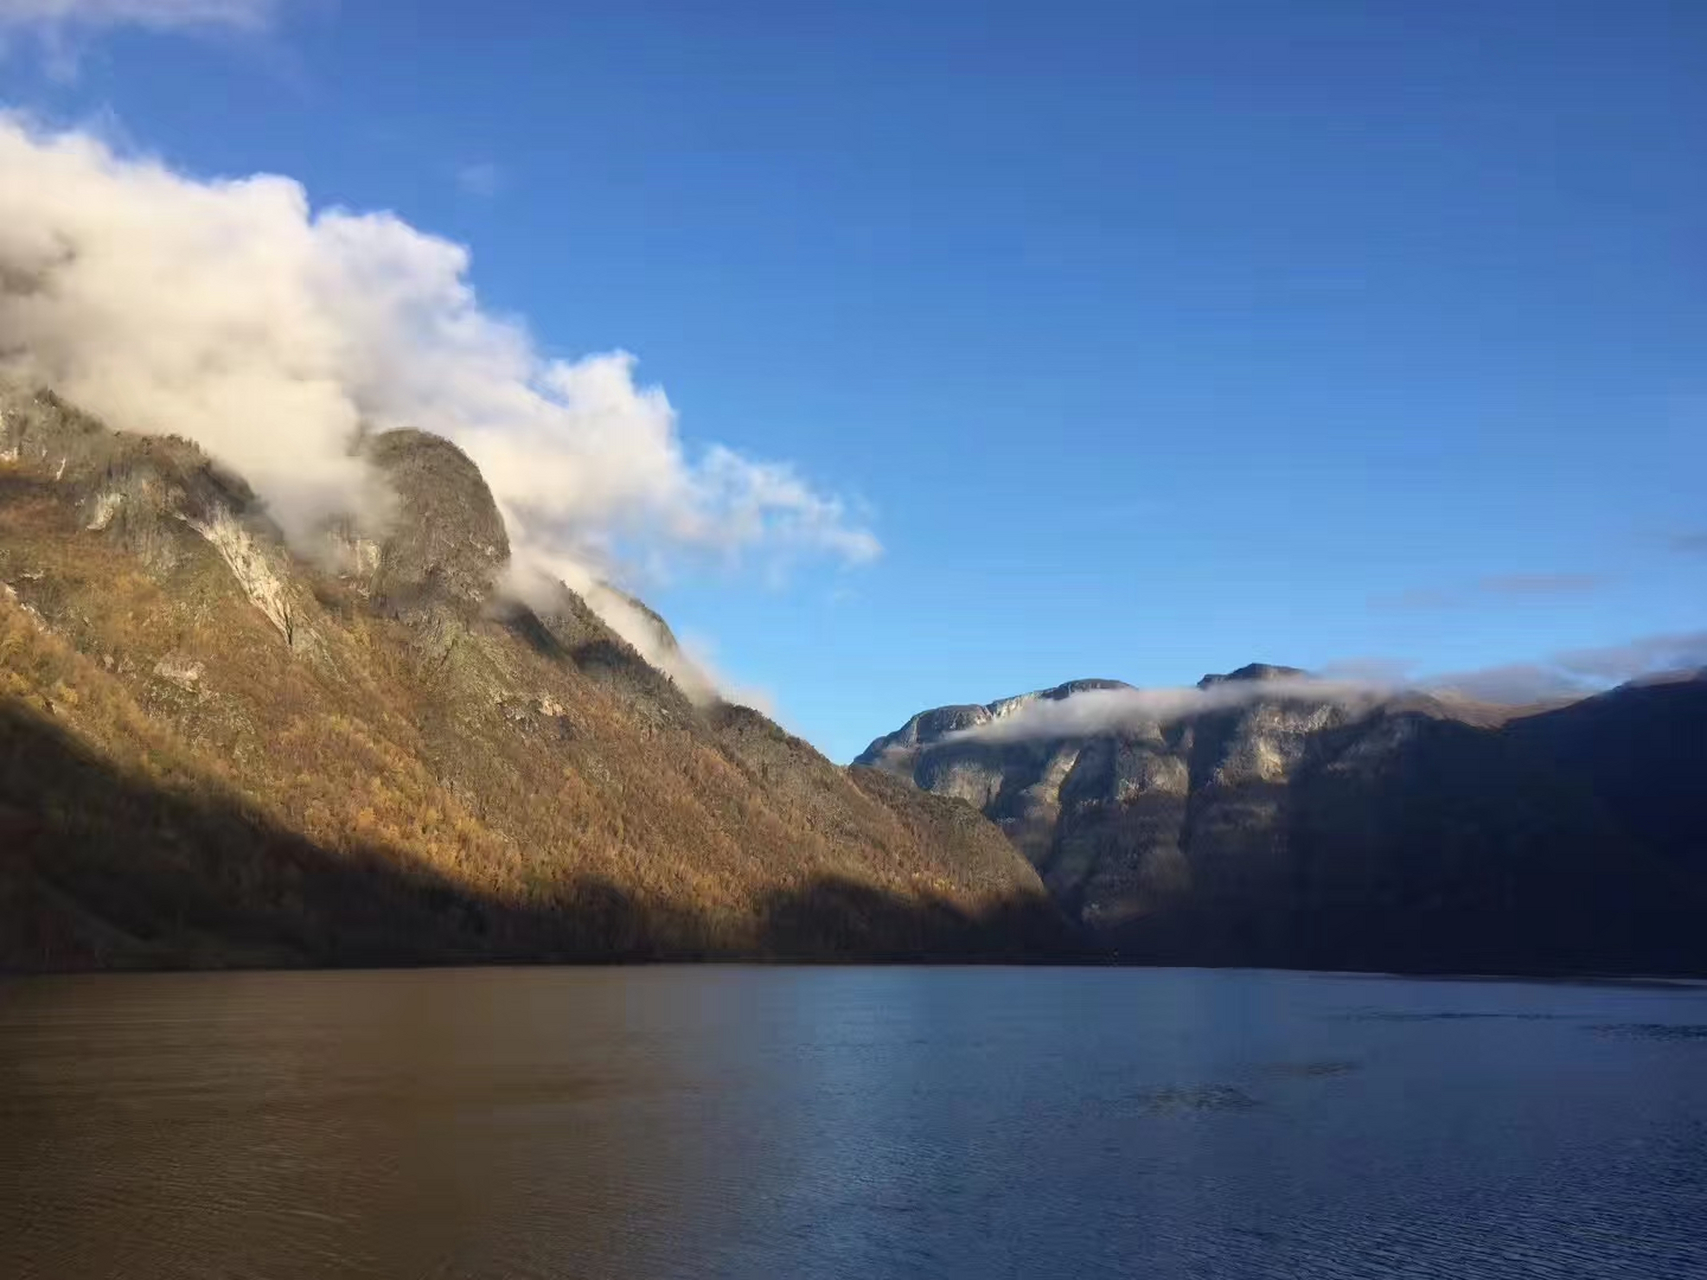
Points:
858	1122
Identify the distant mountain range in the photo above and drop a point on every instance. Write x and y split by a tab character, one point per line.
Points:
216	751
1265	819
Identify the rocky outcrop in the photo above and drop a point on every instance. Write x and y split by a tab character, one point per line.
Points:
444	538
1272	825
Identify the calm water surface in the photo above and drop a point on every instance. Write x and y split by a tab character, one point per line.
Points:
849	1122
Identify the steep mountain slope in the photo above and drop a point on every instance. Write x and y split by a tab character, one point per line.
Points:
214	751
1274	825
1643	748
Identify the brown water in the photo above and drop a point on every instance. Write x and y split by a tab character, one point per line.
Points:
849	1122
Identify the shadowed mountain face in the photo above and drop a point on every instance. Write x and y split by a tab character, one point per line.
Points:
1277	827
216	749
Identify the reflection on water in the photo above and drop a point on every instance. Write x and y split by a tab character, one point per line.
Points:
849	1122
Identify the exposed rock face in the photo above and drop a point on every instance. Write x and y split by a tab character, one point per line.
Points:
1104	818
446	539
138	490
215	750
1377	833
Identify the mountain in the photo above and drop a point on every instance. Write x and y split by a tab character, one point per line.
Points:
217	750
1269	820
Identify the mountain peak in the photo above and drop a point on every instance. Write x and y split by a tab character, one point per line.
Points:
446	535
1252	671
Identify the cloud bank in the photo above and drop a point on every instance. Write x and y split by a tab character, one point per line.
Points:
1094	711
1577	673
272	333
1649	655
1571	674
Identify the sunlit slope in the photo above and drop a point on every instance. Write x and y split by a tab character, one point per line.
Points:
214	749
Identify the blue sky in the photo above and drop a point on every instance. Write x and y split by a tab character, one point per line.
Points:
1150	339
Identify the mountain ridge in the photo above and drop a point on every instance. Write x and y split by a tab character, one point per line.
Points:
1303	825
220	749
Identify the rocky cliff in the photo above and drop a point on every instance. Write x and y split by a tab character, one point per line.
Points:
218	749
1271	820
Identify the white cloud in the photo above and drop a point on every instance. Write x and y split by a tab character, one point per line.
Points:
1648	655
1512	684
60	27
1576	673
234	313
1093	711
1361	683
162	15
702	653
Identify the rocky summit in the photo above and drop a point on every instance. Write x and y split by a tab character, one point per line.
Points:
1275	821
217	748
